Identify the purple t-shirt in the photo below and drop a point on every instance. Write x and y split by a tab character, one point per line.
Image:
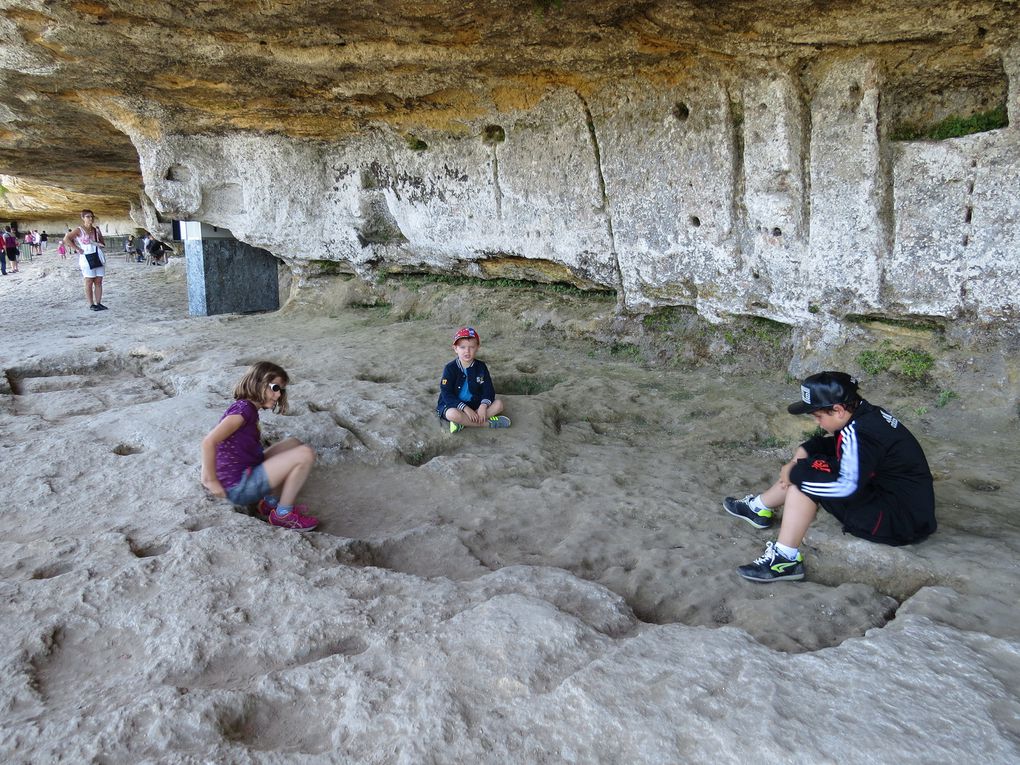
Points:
243	449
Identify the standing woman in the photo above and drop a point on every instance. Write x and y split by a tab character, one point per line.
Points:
87	240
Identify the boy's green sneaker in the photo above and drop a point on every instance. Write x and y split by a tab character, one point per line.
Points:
773	567
499	421
454	427
741	508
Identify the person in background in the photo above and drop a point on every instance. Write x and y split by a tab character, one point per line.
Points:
143	247
156	251
10	246
87	241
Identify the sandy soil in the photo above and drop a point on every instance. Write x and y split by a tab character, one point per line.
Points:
562	591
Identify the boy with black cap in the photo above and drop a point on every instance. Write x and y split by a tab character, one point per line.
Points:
467	397
869	471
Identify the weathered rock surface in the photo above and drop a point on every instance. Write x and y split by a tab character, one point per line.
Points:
738	157
561	591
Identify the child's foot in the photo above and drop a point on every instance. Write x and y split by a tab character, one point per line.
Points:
773	567
266	505
293	520
499	421
741	508
454	427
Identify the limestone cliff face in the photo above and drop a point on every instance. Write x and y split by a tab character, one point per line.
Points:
740	157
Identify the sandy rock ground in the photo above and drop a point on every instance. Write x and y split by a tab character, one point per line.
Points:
562	591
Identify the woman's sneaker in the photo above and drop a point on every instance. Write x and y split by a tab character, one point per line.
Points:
741	508
499	421
293	520
772	566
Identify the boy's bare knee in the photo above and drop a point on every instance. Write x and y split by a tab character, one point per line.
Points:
307	453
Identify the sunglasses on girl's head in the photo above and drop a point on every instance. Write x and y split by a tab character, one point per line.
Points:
277	388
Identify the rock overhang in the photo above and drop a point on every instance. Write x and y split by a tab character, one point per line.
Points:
707	154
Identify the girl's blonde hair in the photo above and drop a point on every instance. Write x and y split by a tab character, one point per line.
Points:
255	381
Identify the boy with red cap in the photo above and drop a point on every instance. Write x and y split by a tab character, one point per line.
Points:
869	471
466	395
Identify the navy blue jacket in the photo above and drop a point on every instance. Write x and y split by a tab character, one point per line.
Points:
479	384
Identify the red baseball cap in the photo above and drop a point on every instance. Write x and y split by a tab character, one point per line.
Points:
466	332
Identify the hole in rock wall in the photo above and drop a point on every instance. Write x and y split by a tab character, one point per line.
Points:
178	173
493	134
414	143
947	101
777	231
681	112
695	221
379	226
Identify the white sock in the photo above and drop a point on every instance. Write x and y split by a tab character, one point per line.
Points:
790	553
756	504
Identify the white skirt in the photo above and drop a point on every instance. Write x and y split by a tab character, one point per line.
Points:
89	273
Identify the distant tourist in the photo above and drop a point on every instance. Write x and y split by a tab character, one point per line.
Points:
143	247
36	242
868	471
234	464
44	240
87	241
467	397
156	250
10	252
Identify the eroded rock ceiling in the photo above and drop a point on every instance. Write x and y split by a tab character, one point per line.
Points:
78	77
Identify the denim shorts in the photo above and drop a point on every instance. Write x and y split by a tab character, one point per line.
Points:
252	487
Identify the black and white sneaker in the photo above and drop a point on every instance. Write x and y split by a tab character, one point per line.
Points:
741	508
773	567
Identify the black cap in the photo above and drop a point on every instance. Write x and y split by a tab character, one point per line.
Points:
823	391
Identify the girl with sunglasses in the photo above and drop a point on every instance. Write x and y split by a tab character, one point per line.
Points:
234	464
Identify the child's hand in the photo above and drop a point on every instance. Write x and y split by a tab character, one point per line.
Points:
784	473
483	413
214	487
472	414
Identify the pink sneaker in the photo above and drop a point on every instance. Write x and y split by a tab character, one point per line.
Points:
293	520
263	508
